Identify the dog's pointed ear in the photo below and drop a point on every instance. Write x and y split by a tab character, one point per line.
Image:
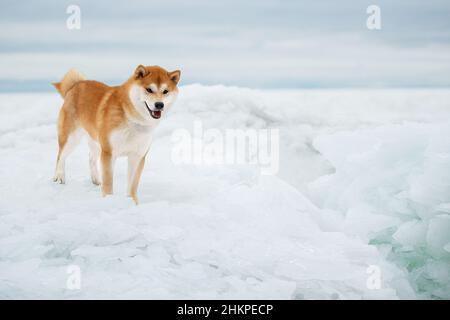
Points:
140	72
175	76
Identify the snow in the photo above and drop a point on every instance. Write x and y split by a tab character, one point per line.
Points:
363	185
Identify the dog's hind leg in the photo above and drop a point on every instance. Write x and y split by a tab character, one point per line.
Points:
107	164
68	138
94	158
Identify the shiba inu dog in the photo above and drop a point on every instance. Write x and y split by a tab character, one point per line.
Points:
118	121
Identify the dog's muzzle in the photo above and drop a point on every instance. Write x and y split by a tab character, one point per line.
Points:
155	114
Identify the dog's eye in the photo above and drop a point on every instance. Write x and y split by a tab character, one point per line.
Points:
166	91
149	90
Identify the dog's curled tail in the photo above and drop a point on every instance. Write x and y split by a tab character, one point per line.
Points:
69	80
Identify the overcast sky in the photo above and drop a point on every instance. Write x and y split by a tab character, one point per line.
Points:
253	43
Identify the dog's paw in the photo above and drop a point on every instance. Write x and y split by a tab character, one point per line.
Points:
106	190
59	178
134	197
95	181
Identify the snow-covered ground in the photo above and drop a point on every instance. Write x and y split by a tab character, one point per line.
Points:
363	191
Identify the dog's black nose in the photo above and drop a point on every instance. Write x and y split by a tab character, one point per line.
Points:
159	105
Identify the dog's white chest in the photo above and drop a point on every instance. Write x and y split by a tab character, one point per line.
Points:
132	139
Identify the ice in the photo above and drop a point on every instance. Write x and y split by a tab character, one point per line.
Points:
363	181
400	174
411	233
438	235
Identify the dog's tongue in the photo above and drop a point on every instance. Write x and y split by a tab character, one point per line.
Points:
157	114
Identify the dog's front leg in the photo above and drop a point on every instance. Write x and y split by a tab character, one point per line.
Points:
135	166
107	172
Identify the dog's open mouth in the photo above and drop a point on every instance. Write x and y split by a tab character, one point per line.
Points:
154	114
